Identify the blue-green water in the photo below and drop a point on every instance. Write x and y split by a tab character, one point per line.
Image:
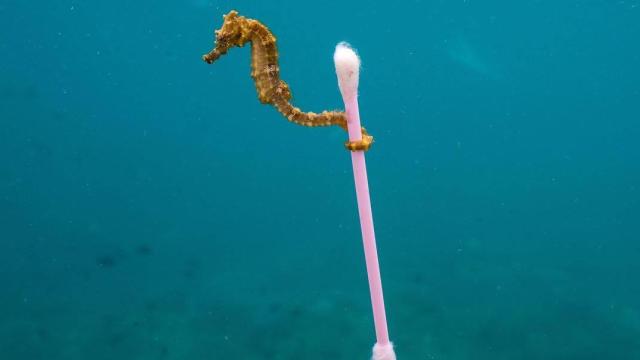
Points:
152	208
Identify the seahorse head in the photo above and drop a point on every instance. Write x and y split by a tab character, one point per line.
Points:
229	35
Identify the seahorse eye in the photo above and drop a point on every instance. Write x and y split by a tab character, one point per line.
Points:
221	39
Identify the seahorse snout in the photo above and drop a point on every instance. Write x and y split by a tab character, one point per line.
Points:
212	56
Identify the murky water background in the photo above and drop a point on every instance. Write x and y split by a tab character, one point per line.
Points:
151	208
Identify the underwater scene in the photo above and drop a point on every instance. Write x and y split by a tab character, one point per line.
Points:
154	206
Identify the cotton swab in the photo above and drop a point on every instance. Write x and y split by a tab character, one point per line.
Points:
347	65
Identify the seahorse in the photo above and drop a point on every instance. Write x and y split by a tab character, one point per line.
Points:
236	31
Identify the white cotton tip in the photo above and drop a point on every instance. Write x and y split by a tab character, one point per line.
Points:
348	69
383	352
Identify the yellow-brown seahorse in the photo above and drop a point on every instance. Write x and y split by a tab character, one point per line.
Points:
265	71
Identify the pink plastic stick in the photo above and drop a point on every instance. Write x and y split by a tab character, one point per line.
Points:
366	223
